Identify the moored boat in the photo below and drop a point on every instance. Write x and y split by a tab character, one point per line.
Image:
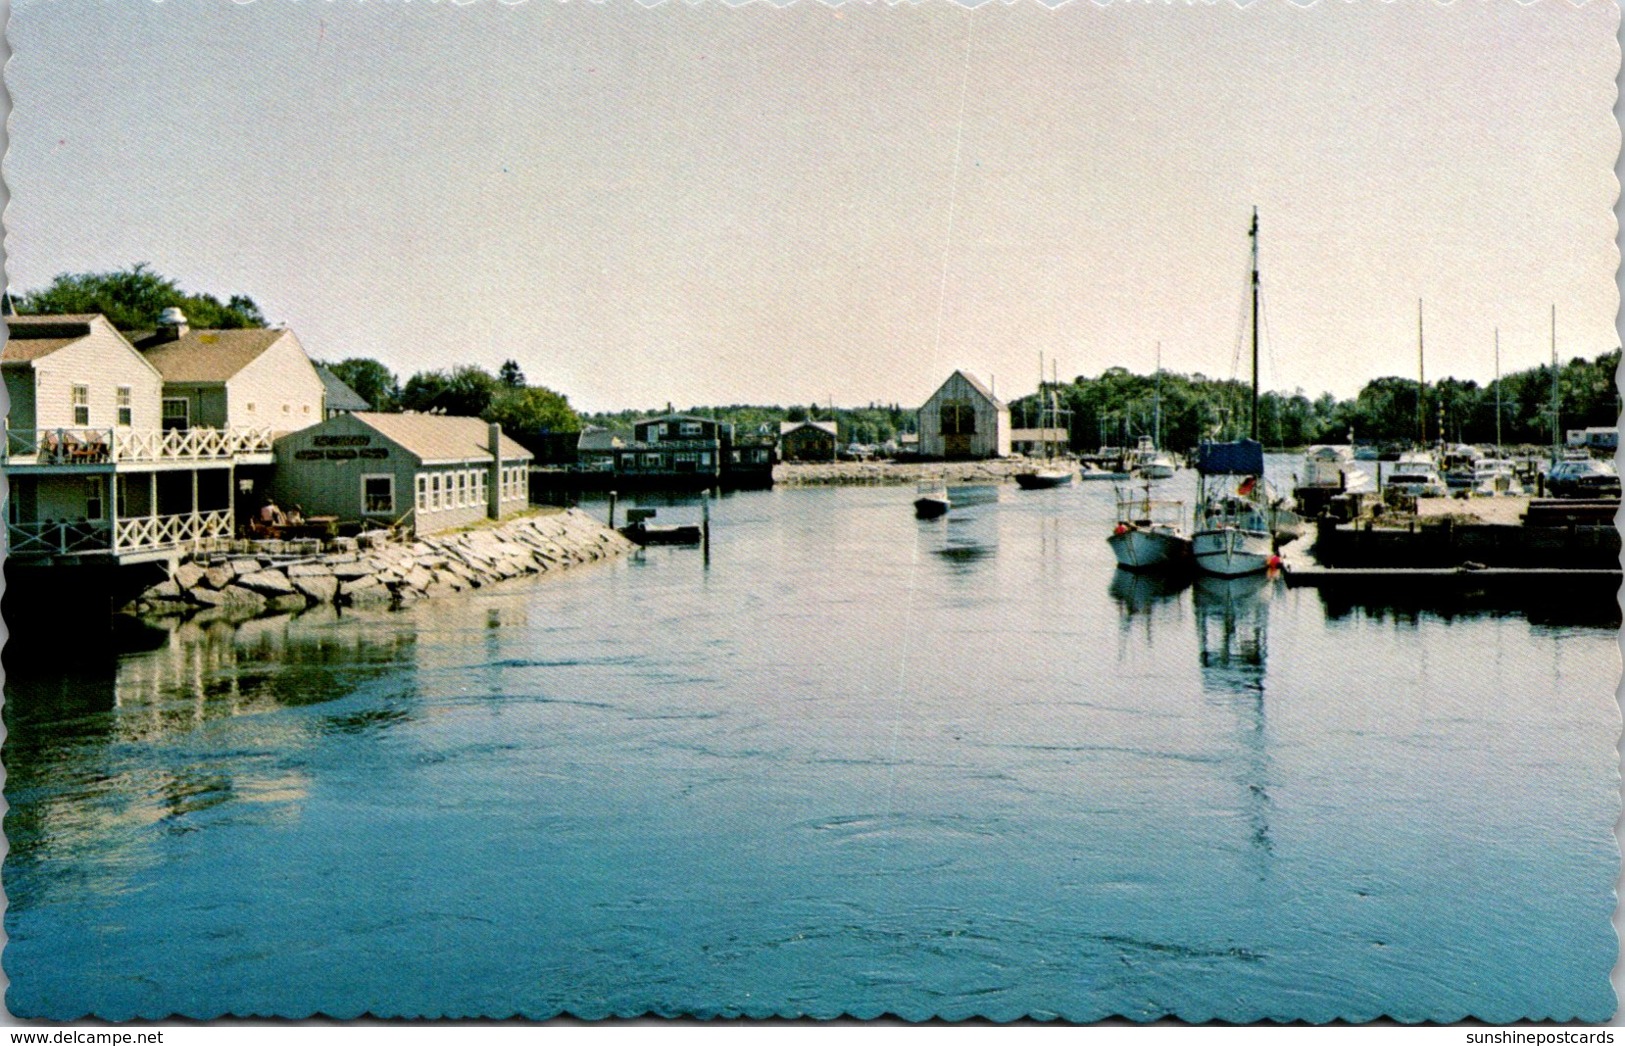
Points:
1150	535
931	499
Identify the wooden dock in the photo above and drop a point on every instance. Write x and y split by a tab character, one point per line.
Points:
1300	569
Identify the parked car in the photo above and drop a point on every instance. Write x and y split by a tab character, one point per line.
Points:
1582	478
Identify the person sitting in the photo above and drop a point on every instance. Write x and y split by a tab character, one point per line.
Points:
271	515
296	517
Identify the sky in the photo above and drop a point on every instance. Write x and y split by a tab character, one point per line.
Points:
713	204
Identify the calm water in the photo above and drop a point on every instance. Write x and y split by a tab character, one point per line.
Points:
858	765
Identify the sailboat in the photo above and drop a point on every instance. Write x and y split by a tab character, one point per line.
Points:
1050	474
1233	534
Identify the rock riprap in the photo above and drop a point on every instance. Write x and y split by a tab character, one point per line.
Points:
372	572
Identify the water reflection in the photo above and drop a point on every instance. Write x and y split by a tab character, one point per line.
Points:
1577	601
1232	622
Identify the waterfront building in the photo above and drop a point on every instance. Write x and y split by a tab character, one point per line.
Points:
1037	443
429	472
256	376
689	452
807	440
596	446
95	473
340	398
962	419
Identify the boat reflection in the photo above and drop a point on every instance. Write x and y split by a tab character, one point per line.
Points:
1232	622
1144	597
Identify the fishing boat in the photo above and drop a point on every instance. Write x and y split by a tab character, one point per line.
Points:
1329	470
1149	461
1150	535
1233	535
931	499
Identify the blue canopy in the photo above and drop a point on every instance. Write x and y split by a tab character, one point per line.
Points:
1244	457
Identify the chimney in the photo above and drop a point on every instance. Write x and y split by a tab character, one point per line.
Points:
172	324
493	488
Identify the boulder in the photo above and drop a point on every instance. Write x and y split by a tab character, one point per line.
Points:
187	575
207	597
220	576
290	601
318	588
266	582
418	577
163	590
240	598
298	570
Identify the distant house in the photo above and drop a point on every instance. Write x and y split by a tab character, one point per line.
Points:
1037	442
962	419
807	440
685	451
428	471
257	376
596	445
94	476
340	398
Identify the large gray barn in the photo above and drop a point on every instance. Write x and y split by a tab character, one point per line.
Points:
962	419
424	470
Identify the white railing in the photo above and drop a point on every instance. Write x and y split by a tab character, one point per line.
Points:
190	528
141	534
89	446
58	538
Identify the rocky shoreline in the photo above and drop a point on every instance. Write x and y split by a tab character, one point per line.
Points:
381	574
863	473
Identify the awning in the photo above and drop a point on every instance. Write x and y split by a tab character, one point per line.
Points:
1242	458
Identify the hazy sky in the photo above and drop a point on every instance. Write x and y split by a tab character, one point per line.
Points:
712	204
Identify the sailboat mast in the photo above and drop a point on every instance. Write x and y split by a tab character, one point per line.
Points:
1156	401
1421	380
1555	452
1497	392
1254	235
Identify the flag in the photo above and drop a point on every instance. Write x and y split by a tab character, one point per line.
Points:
1247	486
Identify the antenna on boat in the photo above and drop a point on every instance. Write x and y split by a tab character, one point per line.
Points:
1254	234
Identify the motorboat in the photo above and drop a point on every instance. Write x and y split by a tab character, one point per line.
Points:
1151	463
1044	478
1415	475
1495	478
1150	535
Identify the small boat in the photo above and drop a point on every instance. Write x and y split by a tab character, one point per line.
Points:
931	499
1092	471
1050	474
1329	470
1151	463
642	532
1150	535
1044	478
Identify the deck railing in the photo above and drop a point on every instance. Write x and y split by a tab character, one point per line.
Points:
93	446
185	530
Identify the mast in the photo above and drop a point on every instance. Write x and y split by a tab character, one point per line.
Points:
1421	381
1156	403
1556	454
1498	392
1254	234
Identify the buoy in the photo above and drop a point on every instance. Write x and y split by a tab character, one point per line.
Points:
1274	562
1121	529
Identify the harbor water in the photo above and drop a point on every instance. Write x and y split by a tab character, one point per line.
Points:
854	764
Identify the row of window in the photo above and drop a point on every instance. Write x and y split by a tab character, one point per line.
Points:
466	488
176	410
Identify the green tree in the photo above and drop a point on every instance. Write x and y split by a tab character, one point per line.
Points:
510	375
532	410
371	380
466	391
132	298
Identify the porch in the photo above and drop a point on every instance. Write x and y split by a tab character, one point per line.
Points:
126	517
62	447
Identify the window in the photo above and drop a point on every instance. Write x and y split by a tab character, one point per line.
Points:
287	409
434	492
305	408
177	414
378	495
93	497
125	412
480	488
462	489
692	428
250	407
423	493
81	404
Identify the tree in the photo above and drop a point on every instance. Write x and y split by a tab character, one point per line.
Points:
510	375
132	298
371	380
466	391
533	410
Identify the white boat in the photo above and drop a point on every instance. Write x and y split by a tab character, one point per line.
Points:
1233	535
1496	478
1150	535
1334	466
1416	475
1151	463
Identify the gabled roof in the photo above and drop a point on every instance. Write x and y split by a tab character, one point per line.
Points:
787	427
981	390
339	395
677	417
34	337
598	438
206	355
438	437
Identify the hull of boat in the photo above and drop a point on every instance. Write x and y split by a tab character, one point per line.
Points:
930	508
1232	551
1156	471
1043	480
1143	551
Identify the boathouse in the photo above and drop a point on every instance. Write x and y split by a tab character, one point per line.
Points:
962	419
94	474
426	471
807	440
